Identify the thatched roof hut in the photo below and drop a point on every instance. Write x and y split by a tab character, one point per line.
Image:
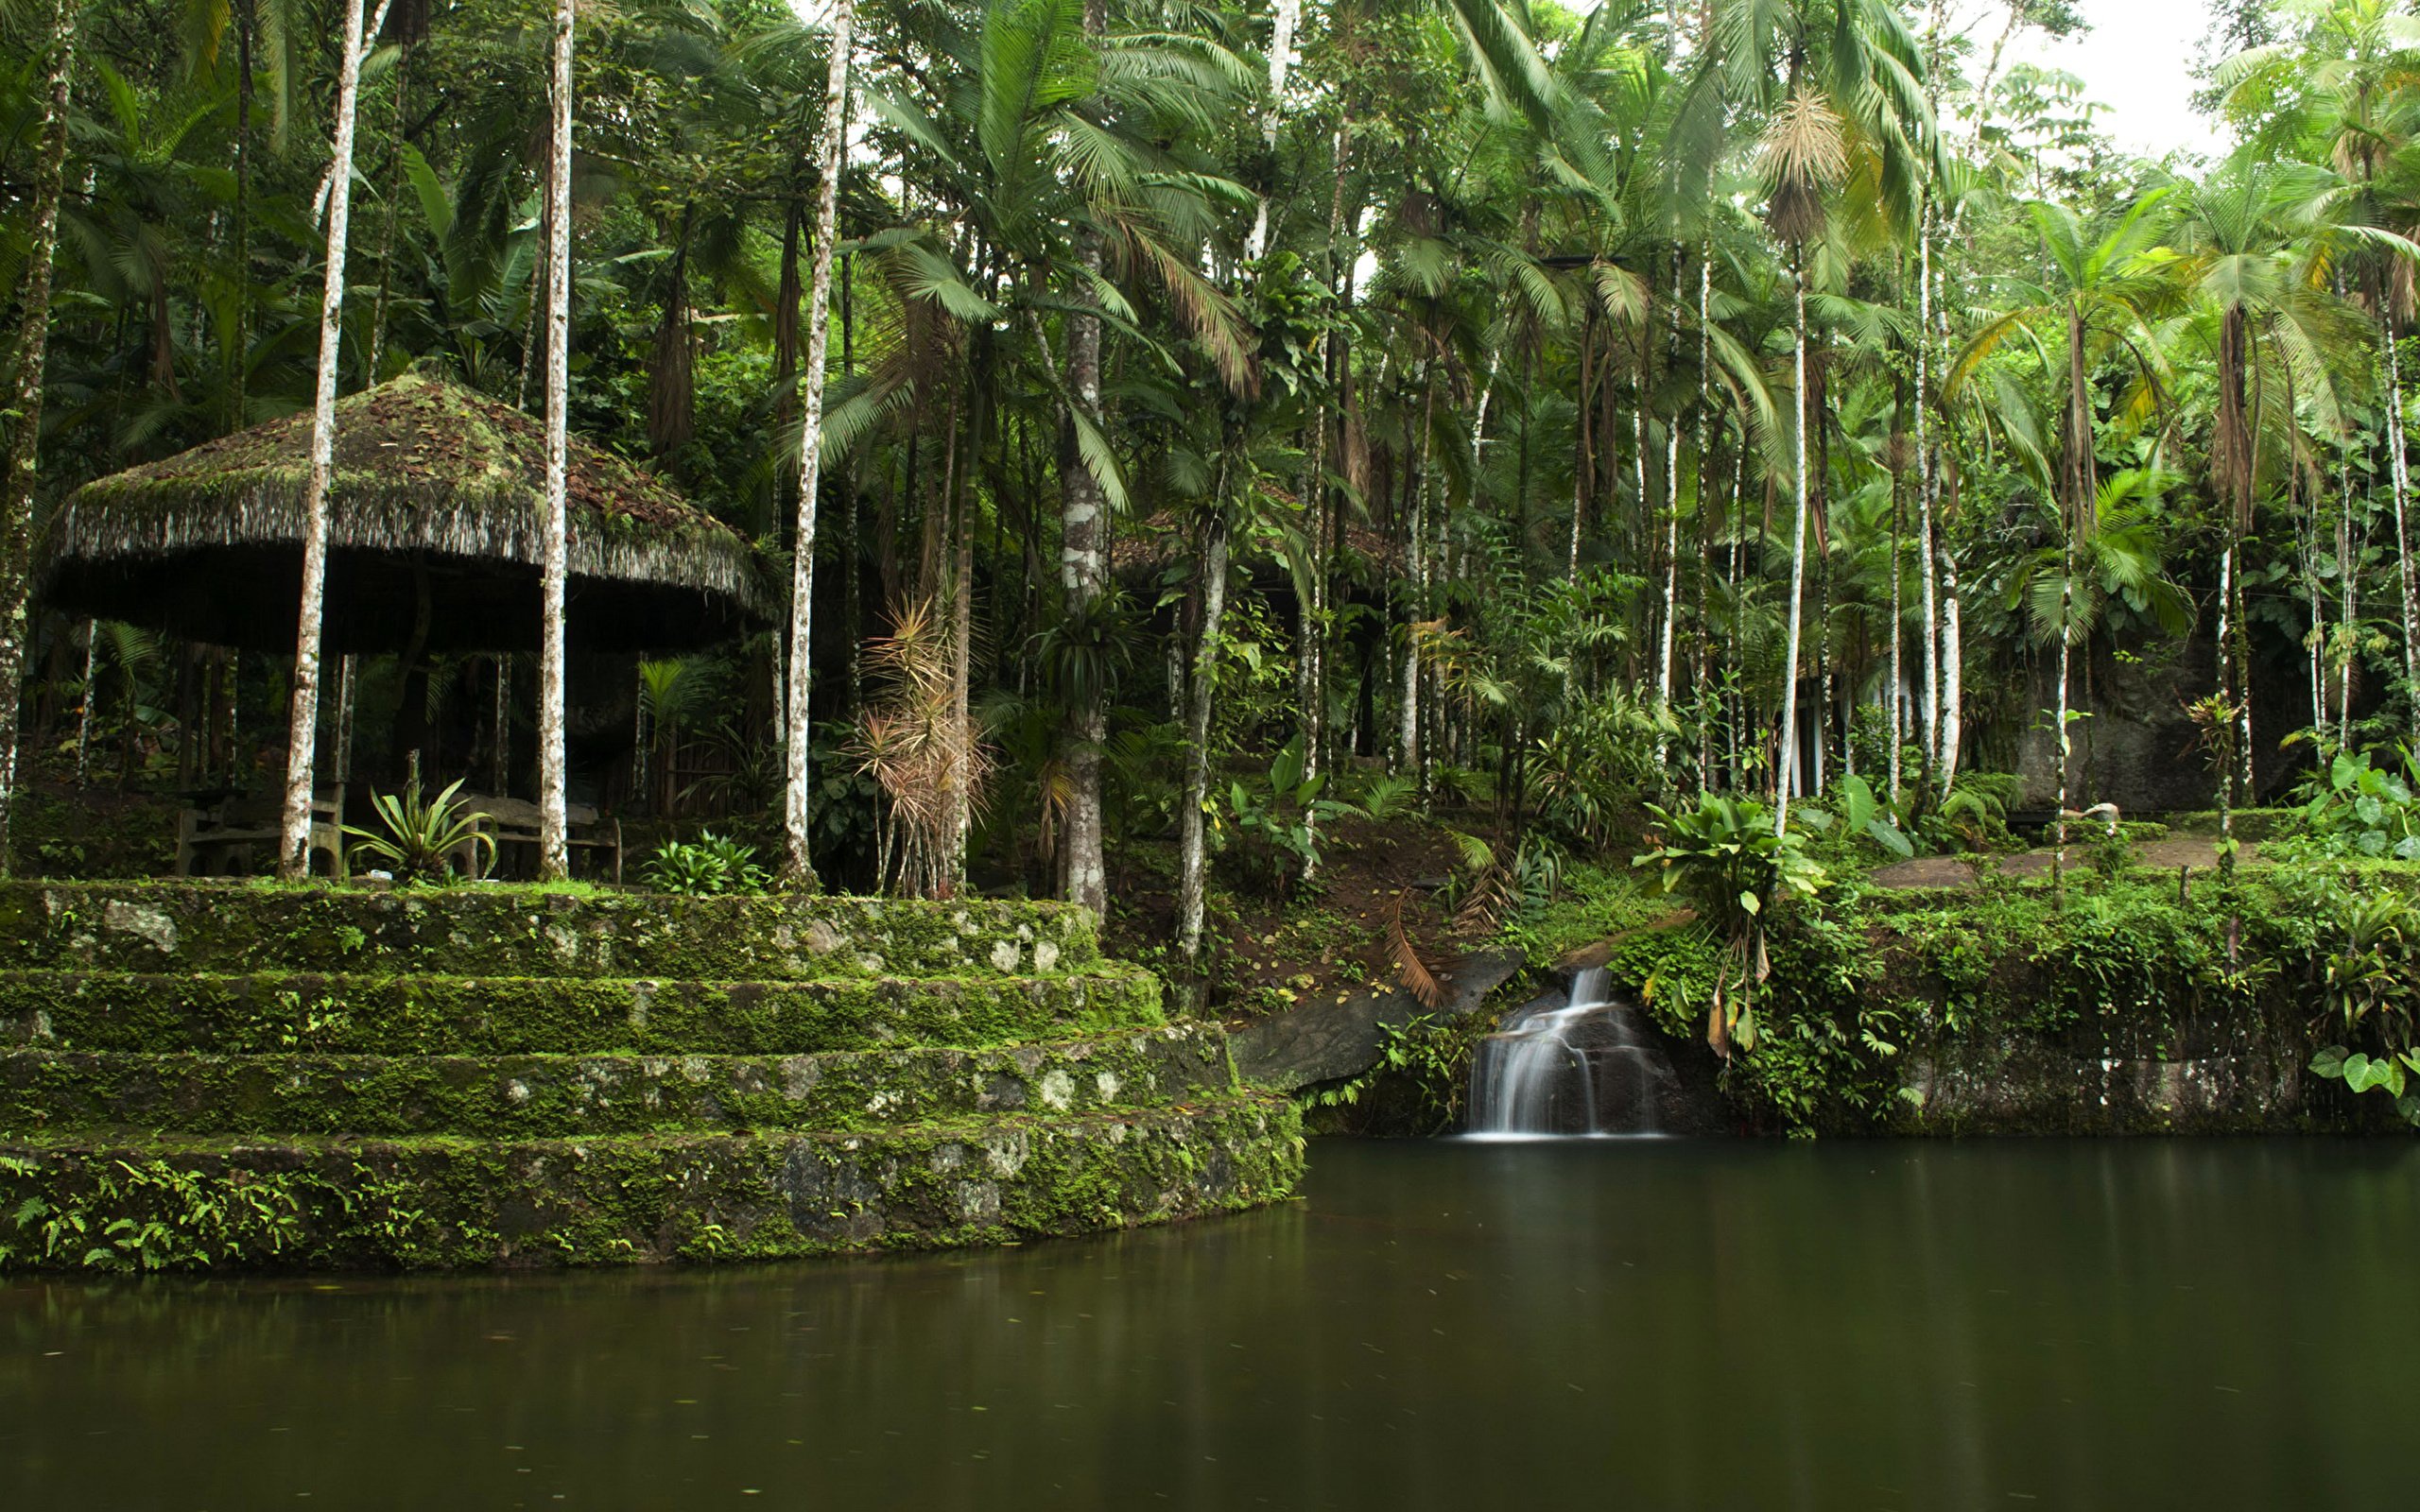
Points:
434	524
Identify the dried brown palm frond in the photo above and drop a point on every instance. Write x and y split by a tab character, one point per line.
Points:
1804	151
1493	897
1409	969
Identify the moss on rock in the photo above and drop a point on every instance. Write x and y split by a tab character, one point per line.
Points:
541	1096
505	931
294	1203
269	1013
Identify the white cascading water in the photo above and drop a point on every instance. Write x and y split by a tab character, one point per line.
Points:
1587	1069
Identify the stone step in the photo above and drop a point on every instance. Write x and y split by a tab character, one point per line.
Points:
561	1096
293	1203
269	1013
508	930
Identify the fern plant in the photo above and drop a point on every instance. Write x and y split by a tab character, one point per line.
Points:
418	836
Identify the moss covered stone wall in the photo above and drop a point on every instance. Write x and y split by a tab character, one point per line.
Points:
205	1074
2127	1005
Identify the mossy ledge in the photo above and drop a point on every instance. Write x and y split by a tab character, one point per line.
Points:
215	1076
504	931
271	1012
539	1097
439	1202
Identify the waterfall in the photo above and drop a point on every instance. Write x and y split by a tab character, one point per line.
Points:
1588	1068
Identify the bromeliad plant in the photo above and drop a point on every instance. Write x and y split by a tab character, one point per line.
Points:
708	866
1724	857
422	837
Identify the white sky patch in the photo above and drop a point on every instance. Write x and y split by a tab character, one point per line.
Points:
2137	61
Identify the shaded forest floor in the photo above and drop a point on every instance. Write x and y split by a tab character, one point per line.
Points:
2196	852
1276	946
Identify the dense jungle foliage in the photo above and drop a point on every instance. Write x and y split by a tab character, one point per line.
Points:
1253	433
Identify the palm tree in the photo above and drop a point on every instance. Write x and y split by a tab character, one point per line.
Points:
2256	240
798	867
25	443
1843	101
2342	92
554	819
2098	308
294	856
1062	202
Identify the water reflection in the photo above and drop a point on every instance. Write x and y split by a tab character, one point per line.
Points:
1668	1324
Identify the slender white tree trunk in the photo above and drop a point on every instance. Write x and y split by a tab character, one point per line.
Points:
84	702
303	726
1898	701
1786	761
2059	732
1083	578
1702	425
554	823
1281	46
2318	596
798	868
1193	860
2399	471
1929	702
1672	528
2226	764
1416	541
2349	619
1952	727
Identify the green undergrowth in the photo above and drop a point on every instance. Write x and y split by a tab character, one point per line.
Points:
1864	981
1596	902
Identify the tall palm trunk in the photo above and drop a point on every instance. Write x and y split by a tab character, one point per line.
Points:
2234	457
2399	473
303	729
1287	13
1786	760
1416	569
962	626
798	867
1310	676
24	445
1671	522
1201	683
2317	599
2225	725
554	821
1898	701
2059	743
1084	576
1952	727
238	372
2348	617
1928	701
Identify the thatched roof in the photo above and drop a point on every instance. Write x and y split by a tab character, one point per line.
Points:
436	502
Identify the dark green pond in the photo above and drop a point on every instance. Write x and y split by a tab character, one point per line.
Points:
1648	1324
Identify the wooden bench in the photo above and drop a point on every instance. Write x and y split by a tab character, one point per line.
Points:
514	821
223	840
